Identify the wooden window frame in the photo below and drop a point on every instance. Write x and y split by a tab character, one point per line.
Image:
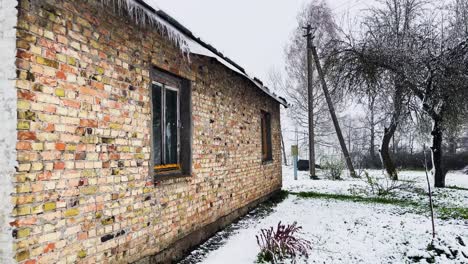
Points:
167	166
183	168
266	137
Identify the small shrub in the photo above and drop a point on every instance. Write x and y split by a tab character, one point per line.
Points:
282	243
380	186
333	169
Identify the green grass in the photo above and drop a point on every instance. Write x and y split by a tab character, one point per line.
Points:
453	213
457	188
418	208
354	198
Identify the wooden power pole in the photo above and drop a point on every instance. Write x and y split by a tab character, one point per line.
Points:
349	162
310	100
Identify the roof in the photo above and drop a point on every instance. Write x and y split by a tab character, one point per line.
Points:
195	45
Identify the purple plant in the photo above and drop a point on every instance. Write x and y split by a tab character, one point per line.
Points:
282	243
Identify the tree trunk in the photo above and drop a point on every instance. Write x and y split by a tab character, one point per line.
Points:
387	161
438	169
372	130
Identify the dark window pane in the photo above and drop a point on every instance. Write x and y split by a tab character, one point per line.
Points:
268	126
267	154
171	127
157	121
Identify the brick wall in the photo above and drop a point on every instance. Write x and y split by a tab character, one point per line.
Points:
8	21
84	192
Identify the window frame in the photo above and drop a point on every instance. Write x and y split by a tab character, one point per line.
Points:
168	81
266	137
163	88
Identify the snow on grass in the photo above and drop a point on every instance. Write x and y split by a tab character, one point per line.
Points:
449	197
344	231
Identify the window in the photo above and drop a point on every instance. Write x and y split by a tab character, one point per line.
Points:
171	125
267	154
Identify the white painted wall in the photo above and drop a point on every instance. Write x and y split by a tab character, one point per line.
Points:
8	22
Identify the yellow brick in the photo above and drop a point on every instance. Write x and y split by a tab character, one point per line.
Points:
50	206
23	255
61	58
36	166
47	62
36	50
60	92
24	210
89	190
23	105
23	188
115	126
72	212
38	146
71	61
23	125
37	209
23	232
82	254
70	147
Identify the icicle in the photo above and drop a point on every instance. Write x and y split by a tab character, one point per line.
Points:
142	16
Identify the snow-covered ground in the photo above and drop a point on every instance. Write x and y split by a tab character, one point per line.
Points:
448	197
347	232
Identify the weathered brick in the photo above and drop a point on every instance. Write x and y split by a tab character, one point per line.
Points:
47	62
50	206
24	232
71	212
83	89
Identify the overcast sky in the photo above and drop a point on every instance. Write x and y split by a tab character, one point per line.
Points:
253	33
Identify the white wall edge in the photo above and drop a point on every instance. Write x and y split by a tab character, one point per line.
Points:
8	122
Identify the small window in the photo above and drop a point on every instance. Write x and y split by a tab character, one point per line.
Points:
267	154
171	126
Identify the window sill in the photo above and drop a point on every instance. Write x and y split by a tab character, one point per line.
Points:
267	162
170	175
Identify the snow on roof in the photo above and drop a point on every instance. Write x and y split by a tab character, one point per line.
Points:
196	48
146	12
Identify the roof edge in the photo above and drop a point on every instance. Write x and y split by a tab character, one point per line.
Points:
184	30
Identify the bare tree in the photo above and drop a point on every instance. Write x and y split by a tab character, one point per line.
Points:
319	16
390	26
430	64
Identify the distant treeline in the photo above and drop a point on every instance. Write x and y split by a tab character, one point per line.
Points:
415	161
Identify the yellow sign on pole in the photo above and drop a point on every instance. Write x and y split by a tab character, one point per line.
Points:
294	150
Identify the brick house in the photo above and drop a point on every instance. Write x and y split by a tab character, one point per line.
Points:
125	138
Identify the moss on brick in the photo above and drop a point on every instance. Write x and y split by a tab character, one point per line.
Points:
71	212
47	62
24	232
108	221
82	254
23	125
50	206
60	92
23	255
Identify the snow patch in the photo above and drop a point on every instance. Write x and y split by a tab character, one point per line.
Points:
8	22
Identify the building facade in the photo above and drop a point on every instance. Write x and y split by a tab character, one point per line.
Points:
126	139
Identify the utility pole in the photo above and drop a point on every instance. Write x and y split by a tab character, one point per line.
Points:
344	149
310	100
